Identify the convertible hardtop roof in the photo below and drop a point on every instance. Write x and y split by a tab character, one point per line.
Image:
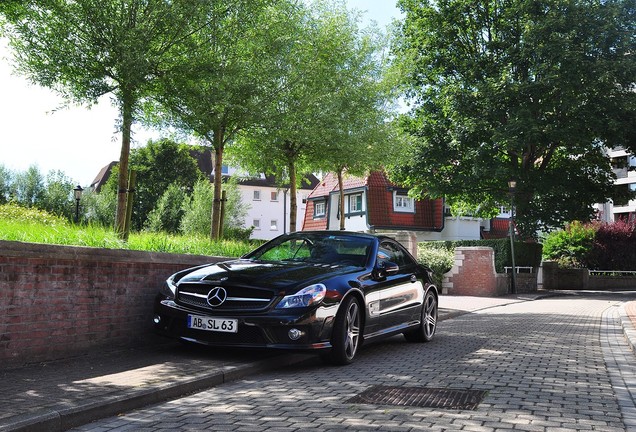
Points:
327	233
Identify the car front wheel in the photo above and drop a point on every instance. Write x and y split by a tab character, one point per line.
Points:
428	322
345	339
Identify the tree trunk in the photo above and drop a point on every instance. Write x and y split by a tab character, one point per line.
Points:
218	182
122	180
293	210
341	202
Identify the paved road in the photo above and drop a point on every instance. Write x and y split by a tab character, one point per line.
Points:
555	364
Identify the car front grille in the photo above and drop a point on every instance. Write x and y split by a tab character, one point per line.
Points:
238	298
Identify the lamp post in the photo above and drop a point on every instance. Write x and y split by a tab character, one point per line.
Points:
77	193
512	185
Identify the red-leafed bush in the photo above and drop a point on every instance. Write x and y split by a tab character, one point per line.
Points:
593	245
614	247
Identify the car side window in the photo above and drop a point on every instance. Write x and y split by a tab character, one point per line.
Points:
390	252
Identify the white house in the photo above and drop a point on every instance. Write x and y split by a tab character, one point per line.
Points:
269	205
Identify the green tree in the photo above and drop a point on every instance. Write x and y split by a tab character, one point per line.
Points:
325	105
517	89
196	210
6	182
217	87
28	188
158	165
98	208
235	209
58	195
166	216
87	48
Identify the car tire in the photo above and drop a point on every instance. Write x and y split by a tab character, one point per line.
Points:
347	333
428	321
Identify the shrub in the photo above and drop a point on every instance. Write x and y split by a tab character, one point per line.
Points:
167	214
30	215
597	246
438	256
58	195
98	208
614	247
198	210
239	234
571	246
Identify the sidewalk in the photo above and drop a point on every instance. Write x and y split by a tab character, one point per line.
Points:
59	395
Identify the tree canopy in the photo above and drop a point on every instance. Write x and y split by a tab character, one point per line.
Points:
328	108
217	86
530	91
84	49
160	164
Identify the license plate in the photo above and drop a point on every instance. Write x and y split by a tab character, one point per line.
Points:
213	324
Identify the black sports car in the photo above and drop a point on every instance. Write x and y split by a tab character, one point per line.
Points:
319	290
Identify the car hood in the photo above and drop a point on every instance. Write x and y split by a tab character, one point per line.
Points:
265	274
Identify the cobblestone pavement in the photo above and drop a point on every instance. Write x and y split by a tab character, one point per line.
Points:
556	364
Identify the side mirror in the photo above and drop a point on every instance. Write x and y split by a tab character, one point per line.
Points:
386	268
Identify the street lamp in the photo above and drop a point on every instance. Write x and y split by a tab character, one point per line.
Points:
512	186
77	193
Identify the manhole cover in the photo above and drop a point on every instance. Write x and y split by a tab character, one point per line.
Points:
421	397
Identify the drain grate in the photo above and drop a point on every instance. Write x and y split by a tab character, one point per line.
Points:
421	397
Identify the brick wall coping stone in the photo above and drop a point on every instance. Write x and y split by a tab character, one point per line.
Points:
40	250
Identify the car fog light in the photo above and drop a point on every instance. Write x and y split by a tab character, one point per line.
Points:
157	319
294	334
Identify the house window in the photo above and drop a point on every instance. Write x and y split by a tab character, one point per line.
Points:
402	202
355	203
274	196
256	223
320	208
257	195
273	226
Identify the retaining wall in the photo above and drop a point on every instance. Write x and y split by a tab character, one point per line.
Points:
59	301
555	278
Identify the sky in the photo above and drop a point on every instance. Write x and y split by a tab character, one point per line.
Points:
37	129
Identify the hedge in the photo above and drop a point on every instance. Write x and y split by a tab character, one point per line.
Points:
526	254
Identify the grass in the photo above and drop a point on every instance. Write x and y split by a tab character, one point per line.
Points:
35	226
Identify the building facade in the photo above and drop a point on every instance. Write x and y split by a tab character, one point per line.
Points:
624	166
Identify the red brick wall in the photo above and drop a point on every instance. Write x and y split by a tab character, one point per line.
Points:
59	301
473	273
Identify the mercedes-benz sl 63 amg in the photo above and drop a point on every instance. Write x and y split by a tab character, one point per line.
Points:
327	291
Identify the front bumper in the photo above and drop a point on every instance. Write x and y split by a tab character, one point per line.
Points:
263	330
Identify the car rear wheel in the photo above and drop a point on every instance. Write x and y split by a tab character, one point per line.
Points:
345	339
428	322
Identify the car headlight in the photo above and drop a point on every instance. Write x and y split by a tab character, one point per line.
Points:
168	289
308	296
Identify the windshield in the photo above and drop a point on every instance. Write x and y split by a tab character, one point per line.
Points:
320	249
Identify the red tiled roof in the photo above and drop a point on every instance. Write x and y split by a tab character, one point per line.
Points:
330	184
326	185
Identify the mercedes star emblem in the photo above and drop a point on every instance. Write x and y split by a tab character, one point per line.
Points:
217	296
